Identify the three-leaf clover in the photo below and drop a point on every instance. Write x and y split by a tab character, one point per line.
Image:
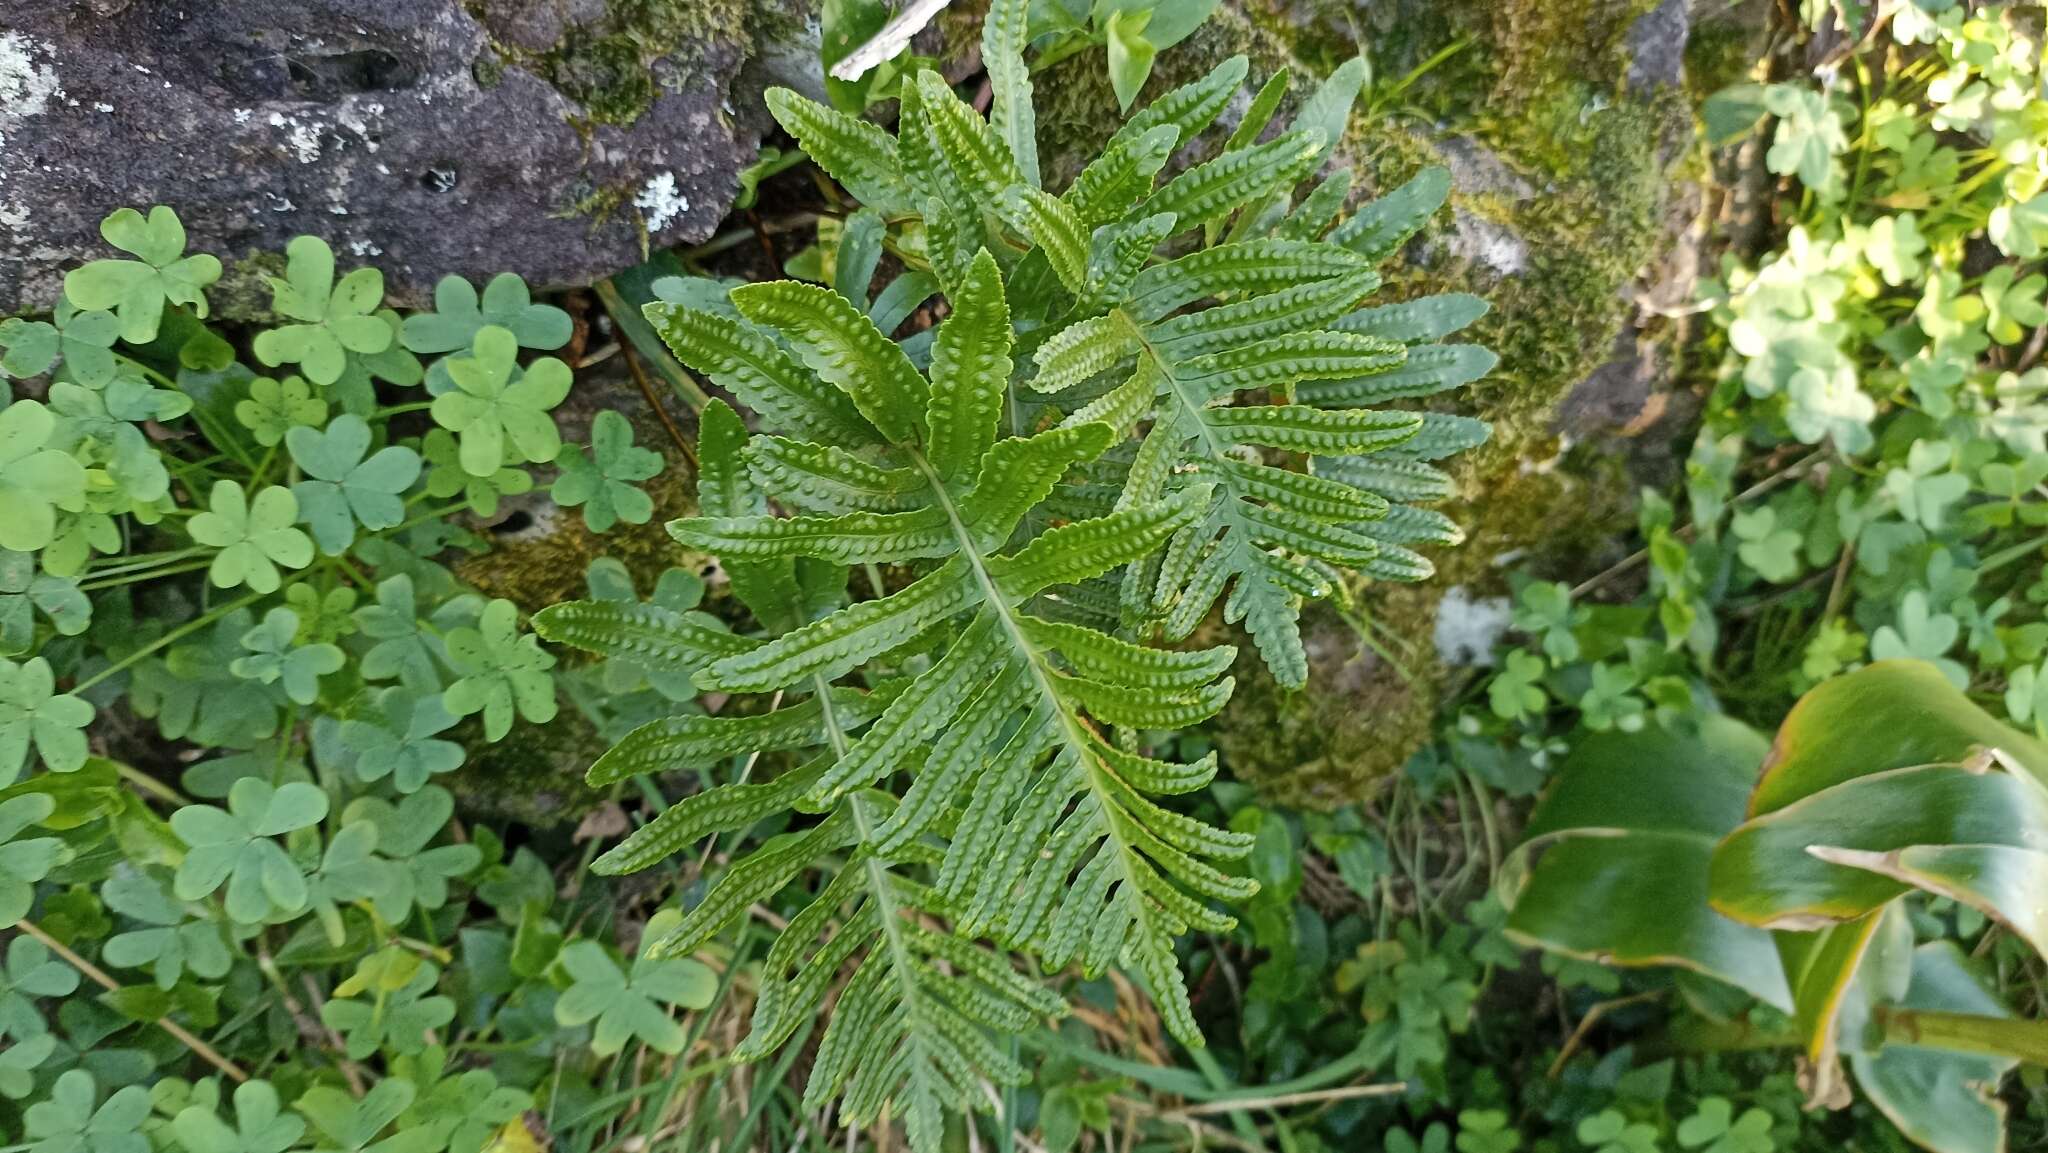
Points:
35	480
172	942
336	318
403	649
346	488
136	290
399	738
1894	247
2012	306
69	1123
34	713
1544	609
500	670
1771	551
23	591
419	875
83	341
233	845
1486	1131
603	480
1810	134
275	407
398	1013
458	315
254	537
626	1004
261	1124
1926	488
24	860
1714	1128
1516	691
2020	228
349	1123
1922	634
31	972
1608	1131
276	656
496	407
446	476
19	1062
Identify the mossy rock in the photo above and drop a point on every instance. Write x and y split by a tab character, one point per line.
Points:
533	776
1564	127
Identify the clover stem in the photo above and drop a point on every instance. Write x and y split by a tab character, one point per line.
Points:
171	638
143	575
100	978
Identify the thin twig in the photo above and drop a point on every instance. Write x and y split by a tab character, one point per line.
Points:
100	977
1284	1100
1591	1019
654	402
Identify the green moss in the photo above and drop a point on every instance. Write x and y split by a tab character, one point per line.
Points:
1357	720
610	65
534	776
541	566
243	291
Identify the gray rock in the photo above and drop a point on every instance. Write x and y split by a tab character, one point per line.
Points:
404	132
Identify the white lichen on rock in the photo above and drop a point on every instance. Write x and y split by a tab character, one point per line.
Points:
1469	628
660	202
26	89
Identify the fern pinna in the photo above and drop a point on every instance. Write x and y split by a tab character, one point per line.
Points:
1144	398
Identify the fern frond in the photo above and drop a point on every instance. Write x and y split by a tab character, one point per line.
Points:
1148	398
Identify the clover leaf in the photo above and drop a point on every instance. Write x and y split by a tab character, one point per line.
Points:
24	860
402	649
31	972
350	1124
398	739
27	347
254	537
323	618
1922	634
501	670
506	303
446	476
136	290
276	407
1925	489
336	318
24	591
69	1123
233	845
346	488
174	939
465	1111
419	874
2020	228
497	407
192	693
627	1004
398	1014
1486	1131
602	481
275	656
1770	551
1810	135
82	340
1894	247
1517	690
34	713
19	1062
2011	309
1714	1128
35	480
1609	1131
349	871
1544	609
261	1124
1611	702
